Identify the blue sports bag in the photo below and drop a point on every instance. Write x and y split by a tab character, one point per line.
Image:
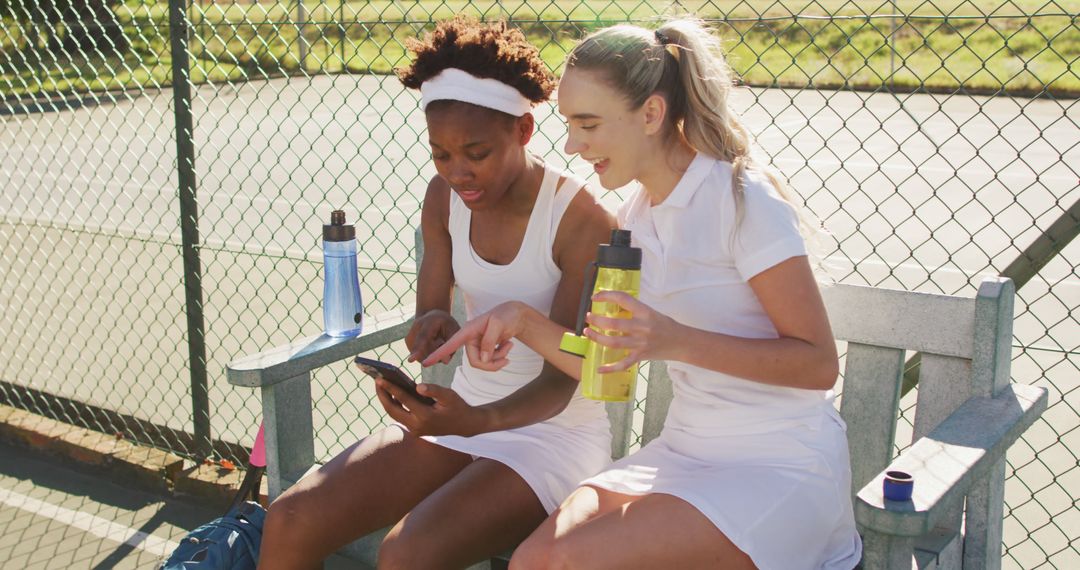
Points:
230	542
227	543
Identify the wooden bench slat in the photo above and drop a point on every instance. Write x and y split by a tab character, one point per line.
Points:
944	385
658	396
620	416
869	405
918	322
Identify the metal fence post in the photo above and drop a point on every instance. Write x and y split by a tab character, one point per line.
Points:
189	224
892	48
1045	247
301	21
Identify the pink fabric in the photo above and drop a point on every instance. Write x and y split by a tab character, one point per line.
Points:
258	451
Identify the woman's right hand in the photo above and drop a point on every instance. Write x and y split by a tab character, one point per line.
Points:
428	333
486	338
646	335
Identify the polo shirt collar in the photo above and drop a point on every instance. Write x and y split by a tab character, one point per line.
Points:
689	183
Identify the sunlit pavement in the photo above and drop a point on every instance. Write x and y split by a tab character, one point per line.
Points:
54	516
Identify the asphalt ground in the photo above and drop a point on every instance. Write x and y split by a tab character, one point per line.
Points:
54	515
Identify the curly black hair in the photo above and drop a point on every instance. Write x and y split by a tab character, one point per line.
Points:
484	49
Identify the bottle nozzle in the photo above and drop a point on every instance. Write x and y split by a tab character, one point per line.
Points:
337	229
619	253
620	238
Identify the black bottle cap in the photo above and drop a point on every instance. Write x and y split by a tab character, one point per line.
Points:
619	254
620	238
337	229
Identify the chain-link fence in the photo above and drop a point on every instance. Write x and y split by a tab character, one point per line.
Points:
150	235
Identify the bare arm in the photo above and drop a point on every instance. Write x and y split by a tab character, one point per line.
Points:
482	335
435	281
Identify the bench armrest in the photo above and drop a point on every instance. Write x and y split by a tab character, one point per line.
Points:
284	374
946	462
283	362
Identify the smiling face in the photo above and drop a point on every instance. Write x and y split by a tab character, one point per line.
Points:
479	152
602	128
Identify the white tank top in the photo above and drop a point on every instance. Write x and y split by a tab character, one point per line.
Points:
532	278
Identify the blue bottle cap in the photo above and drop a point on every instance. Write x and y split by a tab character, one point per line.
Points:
898	486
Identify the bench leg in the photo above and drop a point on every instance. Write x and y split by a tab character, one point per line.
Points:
886	551
290	444
985	512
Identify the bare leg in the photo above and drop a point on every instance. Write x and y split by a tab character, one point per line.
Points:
483	511
368	486
583	505
609	530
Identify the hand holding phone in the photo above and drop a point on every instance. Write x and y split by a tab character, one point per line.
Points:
393	375
428	332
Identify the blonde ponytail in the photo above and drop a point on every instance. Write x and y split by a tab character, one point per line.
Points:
682	61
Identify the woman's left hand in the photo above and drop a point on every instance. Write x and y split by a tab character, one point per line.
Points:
449	415
647	334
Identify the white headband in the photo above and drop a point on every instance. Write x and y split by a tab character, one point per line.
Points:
457	85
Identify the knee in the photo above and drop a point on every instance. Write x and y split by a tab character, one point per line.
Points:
528	558
538	553
402	550
287	517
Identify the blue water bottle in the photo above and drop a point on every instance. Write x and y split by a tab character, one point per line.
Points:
343	311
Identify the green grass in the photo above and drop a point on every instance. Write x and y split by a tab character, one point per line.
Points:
939	47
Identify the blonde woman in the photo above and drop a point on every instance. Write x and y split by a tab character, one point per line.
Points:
751	469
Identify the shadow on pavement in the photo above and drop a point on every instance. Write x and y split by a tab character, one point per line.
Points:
55	515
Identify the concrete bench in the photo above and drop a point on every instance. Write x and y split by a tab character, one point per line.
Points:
967	415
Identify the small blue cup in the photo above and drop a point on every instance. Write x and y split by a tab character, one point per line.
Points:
898	486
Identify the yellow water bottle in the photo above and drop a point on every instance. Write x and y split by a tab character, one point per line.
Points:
617	268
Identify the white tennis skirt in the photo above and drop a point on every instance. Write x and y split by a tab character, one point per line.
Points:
783	498
552	459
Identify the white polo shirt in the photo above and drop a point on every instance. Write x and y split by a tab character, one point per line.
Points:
695	266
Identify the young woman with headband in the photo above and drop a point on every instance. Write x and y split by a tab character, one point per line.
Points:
751	468
474	474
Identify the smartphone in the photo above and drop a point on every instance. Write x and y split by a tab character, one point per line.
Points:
392	374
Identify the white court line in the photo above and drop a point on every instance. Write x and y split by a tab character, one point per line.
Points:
969	170
96	526
409	200
135	189
585	171
233	246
